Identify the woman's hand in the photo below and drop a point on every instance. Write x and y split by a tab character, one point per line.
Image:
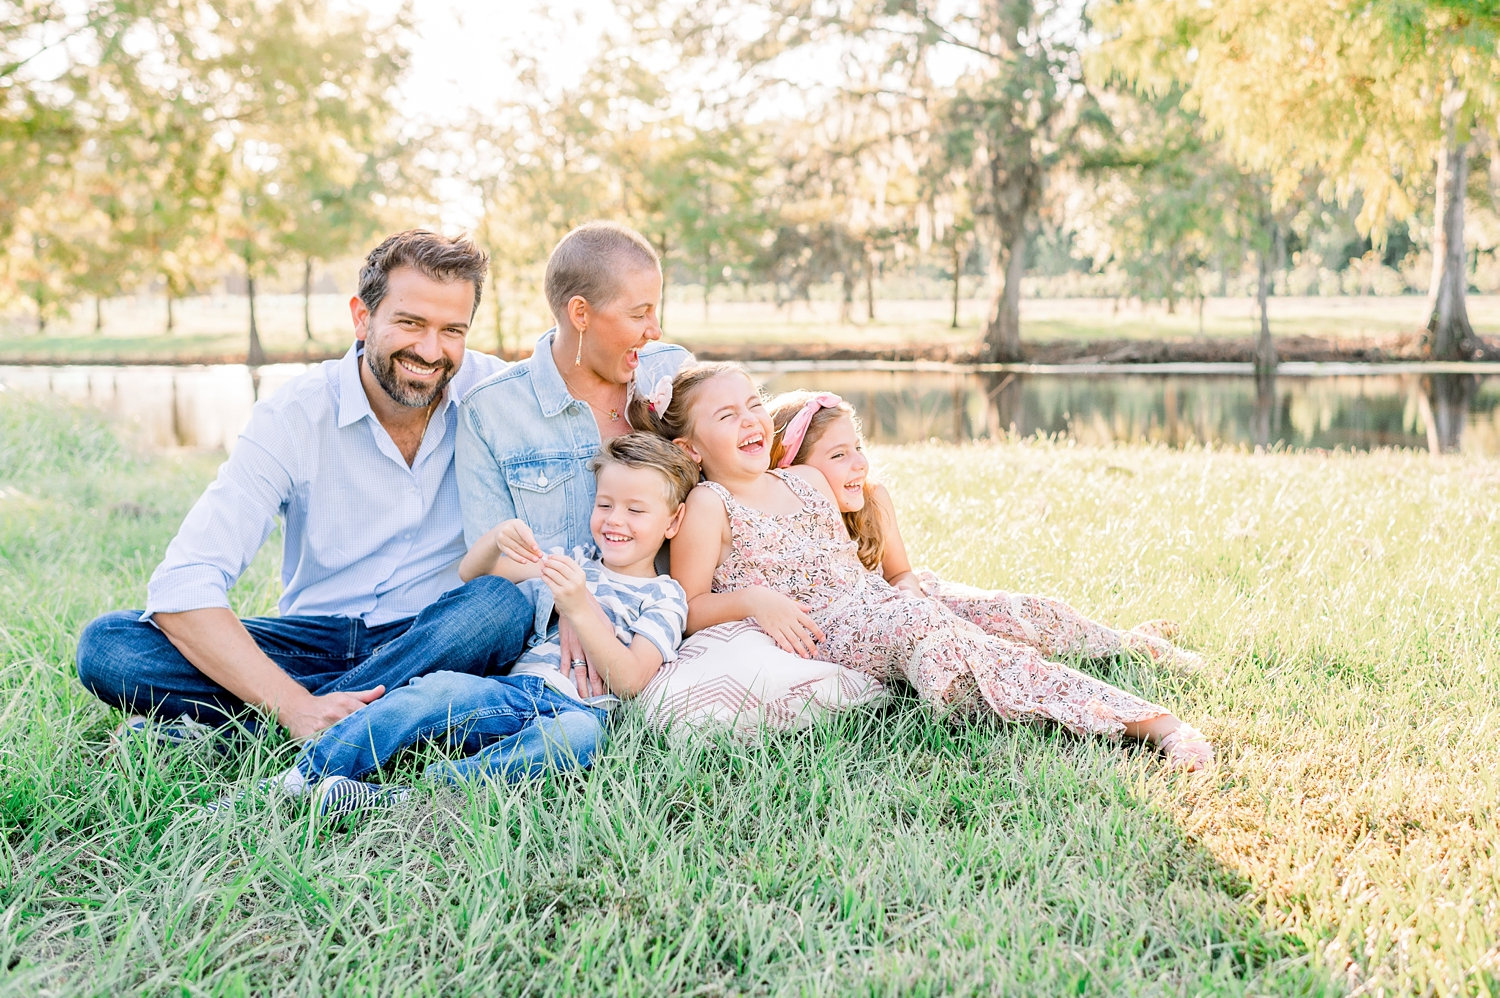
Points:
785	621
516	541
570	593
575	663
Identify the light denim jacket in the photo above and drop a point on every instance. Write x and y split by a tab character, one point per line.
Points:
524	445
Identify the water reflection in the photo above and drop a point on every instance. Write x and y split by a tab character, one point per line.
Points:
1353	412
206	406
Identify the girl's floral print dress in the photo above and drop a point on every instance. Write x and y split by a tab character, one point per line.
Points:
882	631
1051	626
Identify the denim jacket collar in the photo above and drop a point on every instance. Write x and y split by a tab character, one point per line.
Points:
552	394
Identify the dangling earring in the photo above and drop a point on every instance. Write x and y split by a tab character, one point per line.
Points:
578	357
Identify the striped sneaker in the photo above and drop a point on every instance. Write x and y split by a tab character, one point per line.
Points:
163	732
339	796
288	784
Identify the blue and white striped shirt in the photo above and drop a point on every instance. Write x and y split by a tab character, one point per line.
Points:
655	609
366	535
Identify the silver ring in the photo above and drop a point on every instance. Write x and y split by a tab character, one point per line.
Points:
579	663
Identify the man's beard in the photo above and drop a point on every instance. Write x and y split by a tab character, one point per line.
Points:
389	377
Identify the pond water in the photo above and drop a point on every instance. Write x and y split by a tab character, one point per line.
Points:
1355	409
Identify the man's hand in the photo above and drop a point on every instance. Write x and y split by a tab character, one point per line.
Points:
308	716
785	621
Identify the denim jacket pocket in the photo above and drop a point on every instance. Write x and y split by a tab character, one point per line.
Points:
541	490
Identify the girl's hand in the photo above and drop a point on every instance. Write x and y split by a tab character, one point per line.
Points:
516	541
909	582
565	578
785	621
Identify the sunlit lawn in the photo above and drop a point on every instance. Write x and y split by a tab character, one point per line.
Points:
216	327
1347	841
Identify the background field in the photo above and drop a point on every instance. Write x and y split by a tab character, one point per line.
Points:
215	326
1345	844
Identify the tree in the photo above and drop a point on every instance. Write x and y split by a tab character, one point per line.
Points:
1167	203
300	95
1376	95
1019	99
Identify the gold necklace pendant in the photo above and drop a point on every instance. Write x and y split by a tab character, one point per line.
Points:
614	414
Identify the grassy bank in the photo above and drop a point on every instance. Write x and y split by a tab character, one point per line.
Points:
215	327
1346	842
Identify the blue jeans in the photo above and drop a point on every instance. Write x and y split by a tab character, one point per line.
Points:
480	627
512	727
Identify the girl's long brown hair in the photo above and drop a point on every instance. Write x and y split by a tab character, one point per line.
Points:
672	422
866	525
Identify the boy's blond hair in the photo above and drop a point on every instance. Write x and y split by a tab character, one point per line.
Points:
647	450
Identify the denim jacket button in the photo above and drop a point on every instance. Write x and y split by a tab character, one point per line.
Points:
542	481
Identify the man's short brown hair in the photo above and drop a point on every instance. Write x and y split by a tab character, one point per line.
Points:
439	258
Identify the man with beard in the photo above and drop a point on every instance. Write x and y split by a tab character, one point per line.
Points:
356	458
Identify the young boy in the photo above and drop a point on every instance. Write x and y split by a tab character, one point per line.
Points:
532	720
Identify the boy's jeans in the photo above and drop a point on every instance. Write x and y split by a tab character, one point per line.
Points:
480	627
510	727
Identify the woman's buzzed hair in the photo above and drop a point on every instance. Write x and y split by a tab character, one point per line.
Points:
589	262
439	258
647	450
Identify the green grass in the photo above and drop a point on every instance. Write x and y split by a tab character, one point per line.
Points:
1346	842
215	327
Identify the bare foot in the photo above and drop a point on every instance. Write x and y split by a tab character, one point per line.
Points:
1185	747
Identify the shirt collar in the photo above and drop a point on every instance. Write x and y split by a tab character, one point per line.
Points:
354	404
552	393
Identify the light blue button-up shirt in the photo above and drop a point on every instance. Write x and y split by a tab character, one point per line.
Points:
366	536
524	445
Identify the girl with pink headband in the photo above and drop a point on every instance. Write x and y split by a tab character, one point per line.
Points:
769	544
822	431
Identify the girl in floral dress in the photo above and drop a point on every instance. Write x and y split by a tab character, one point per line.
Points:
770	545
822	431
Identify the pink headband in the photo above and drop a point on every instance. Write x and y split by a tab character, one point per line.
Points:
796	429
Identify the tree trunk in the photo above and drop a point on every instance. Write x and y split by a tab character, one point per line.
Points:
1002	336
1015	182
1265	347
39	293
98	314
846	298
869	287
255	355
957	277
307	297
171	312
1449	335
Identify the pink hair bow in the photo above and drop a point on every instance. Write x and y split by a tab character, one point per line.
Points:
660	395
796	428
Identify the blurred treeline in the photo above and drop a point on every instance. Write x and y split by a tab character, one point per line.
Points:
1166	150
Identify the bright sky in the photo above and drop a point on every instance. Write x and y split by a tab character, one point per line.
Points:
459	51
